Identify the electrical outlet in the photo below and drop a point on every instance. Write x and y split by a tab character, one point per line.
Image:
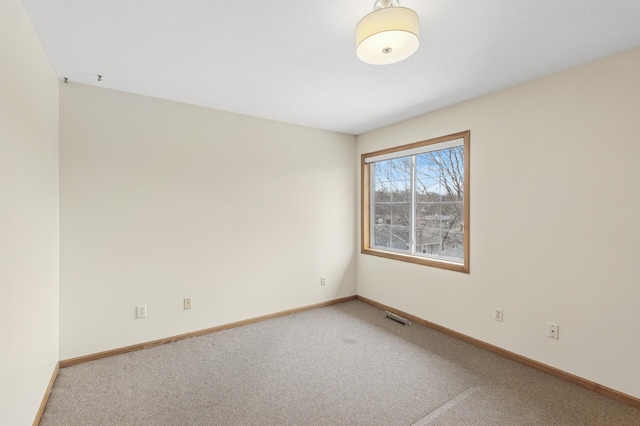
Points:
187	303
323	280
497	314
141	311
552	330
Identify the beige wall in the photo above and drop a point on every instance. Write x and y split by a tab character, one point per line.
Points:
29	242
554	229
162	200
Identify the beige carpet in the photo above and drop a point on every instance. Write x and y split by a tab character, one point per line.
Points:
341	365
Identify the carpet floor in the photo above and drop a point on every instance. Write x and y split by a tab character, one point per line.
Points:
341	365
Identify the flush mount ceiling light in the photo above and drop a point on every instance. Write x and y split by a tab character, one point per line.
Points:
387	35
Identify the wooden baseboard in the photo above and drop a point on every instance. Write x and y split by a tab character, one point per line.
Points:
45	398
598	388
91	357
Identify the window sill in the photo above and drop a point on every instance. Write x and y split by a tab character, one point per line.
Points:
443	264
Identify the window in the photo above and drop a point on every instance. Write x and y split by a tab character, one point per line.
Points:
415	202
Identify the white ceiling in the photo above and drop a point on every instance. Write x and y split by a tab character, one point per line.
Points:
295	61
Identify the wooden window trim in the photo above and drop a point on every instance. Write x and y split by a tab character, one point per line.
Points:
365	206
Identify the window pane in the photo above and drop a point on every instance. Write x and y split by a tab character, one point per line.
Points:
427	166
400	191
400	237
381	236
453	215
382	192
382	214
399	168
419	199
439	203
427	215
394	237
452	187
401	214
427	190
452	244
381	171
451	160
428	241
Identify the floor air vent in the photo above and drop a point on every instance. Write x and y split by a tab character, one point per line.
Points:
397	318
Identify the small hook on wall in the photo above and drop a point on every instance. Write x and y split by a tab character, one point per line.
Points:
66	80
99	77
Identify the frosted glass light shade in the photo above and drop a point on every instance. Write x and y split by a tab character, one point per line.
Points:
387	35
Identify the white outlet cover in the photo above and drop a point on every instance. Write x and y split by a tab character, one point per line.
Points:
553	330
497	314
141	311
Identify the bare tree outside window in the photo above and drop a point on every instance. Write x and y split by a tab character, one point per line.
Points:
392	205
439	202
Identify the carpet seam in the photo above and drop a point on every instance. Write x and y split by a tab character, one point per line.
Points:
446	405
